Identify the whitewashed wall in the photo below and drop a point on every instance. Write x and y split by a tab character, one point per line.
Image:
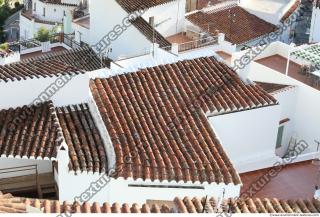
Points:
29	28
11	58
131	42
306	106
249	137
287	99
315	25
81	33
53	12
170	15
19	93
117	190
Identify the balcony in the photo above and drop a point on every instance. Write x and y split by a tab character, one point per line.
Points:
186	43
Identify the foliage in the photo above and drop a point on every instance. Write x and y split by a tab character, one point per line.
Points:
43	34
4	47
16	5
5	12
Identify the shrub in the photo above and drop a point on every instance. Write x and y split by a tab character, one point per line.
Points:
16	4
4	47
43	35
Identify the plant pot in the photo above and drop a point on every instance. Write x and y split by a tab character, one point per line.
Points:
46	46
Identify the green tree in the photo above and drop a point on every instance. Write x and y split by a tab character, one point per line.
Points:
4	47
43	34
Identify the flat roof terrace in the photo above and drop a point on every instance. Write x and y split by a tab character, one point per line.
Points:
293	181
279	63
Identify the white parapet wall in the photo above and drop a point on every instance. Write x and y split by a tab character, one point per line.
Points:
130	191
63	90
10	58
249	137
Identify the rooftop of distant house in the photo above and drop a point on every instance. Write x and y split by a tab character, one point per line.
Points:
238	25
131	6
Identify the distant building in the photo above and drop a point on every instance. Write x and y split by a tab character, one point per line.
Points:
315	23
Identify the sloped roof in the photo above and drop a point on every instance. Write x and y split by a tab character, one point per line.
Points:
86	148
272	87
146	29
83	58
35	69
37	132
291	10
238	25
30	131
10	204
131	6
251	205
156	119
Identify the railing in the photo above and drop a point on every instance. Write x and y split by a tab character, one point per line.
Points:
24	45
33	43
69	40
197	44
13	172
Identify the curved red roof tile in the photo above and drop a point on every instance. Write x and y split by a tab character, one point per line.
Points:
155	118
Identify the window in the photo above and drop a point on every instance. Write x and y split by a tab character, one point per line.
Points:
64	13
44	12
54	10
34	6
279	137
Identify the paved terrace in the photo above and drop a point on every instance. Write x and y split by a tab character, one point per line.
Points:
279	64
294	181
178	38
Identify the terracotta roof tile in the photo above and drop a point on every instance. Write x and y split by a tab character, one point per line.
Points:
238	29
272	87
35	69
256	205
11	204
155	118
131	6
145	28
291	10
30	132
81	58
86	148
